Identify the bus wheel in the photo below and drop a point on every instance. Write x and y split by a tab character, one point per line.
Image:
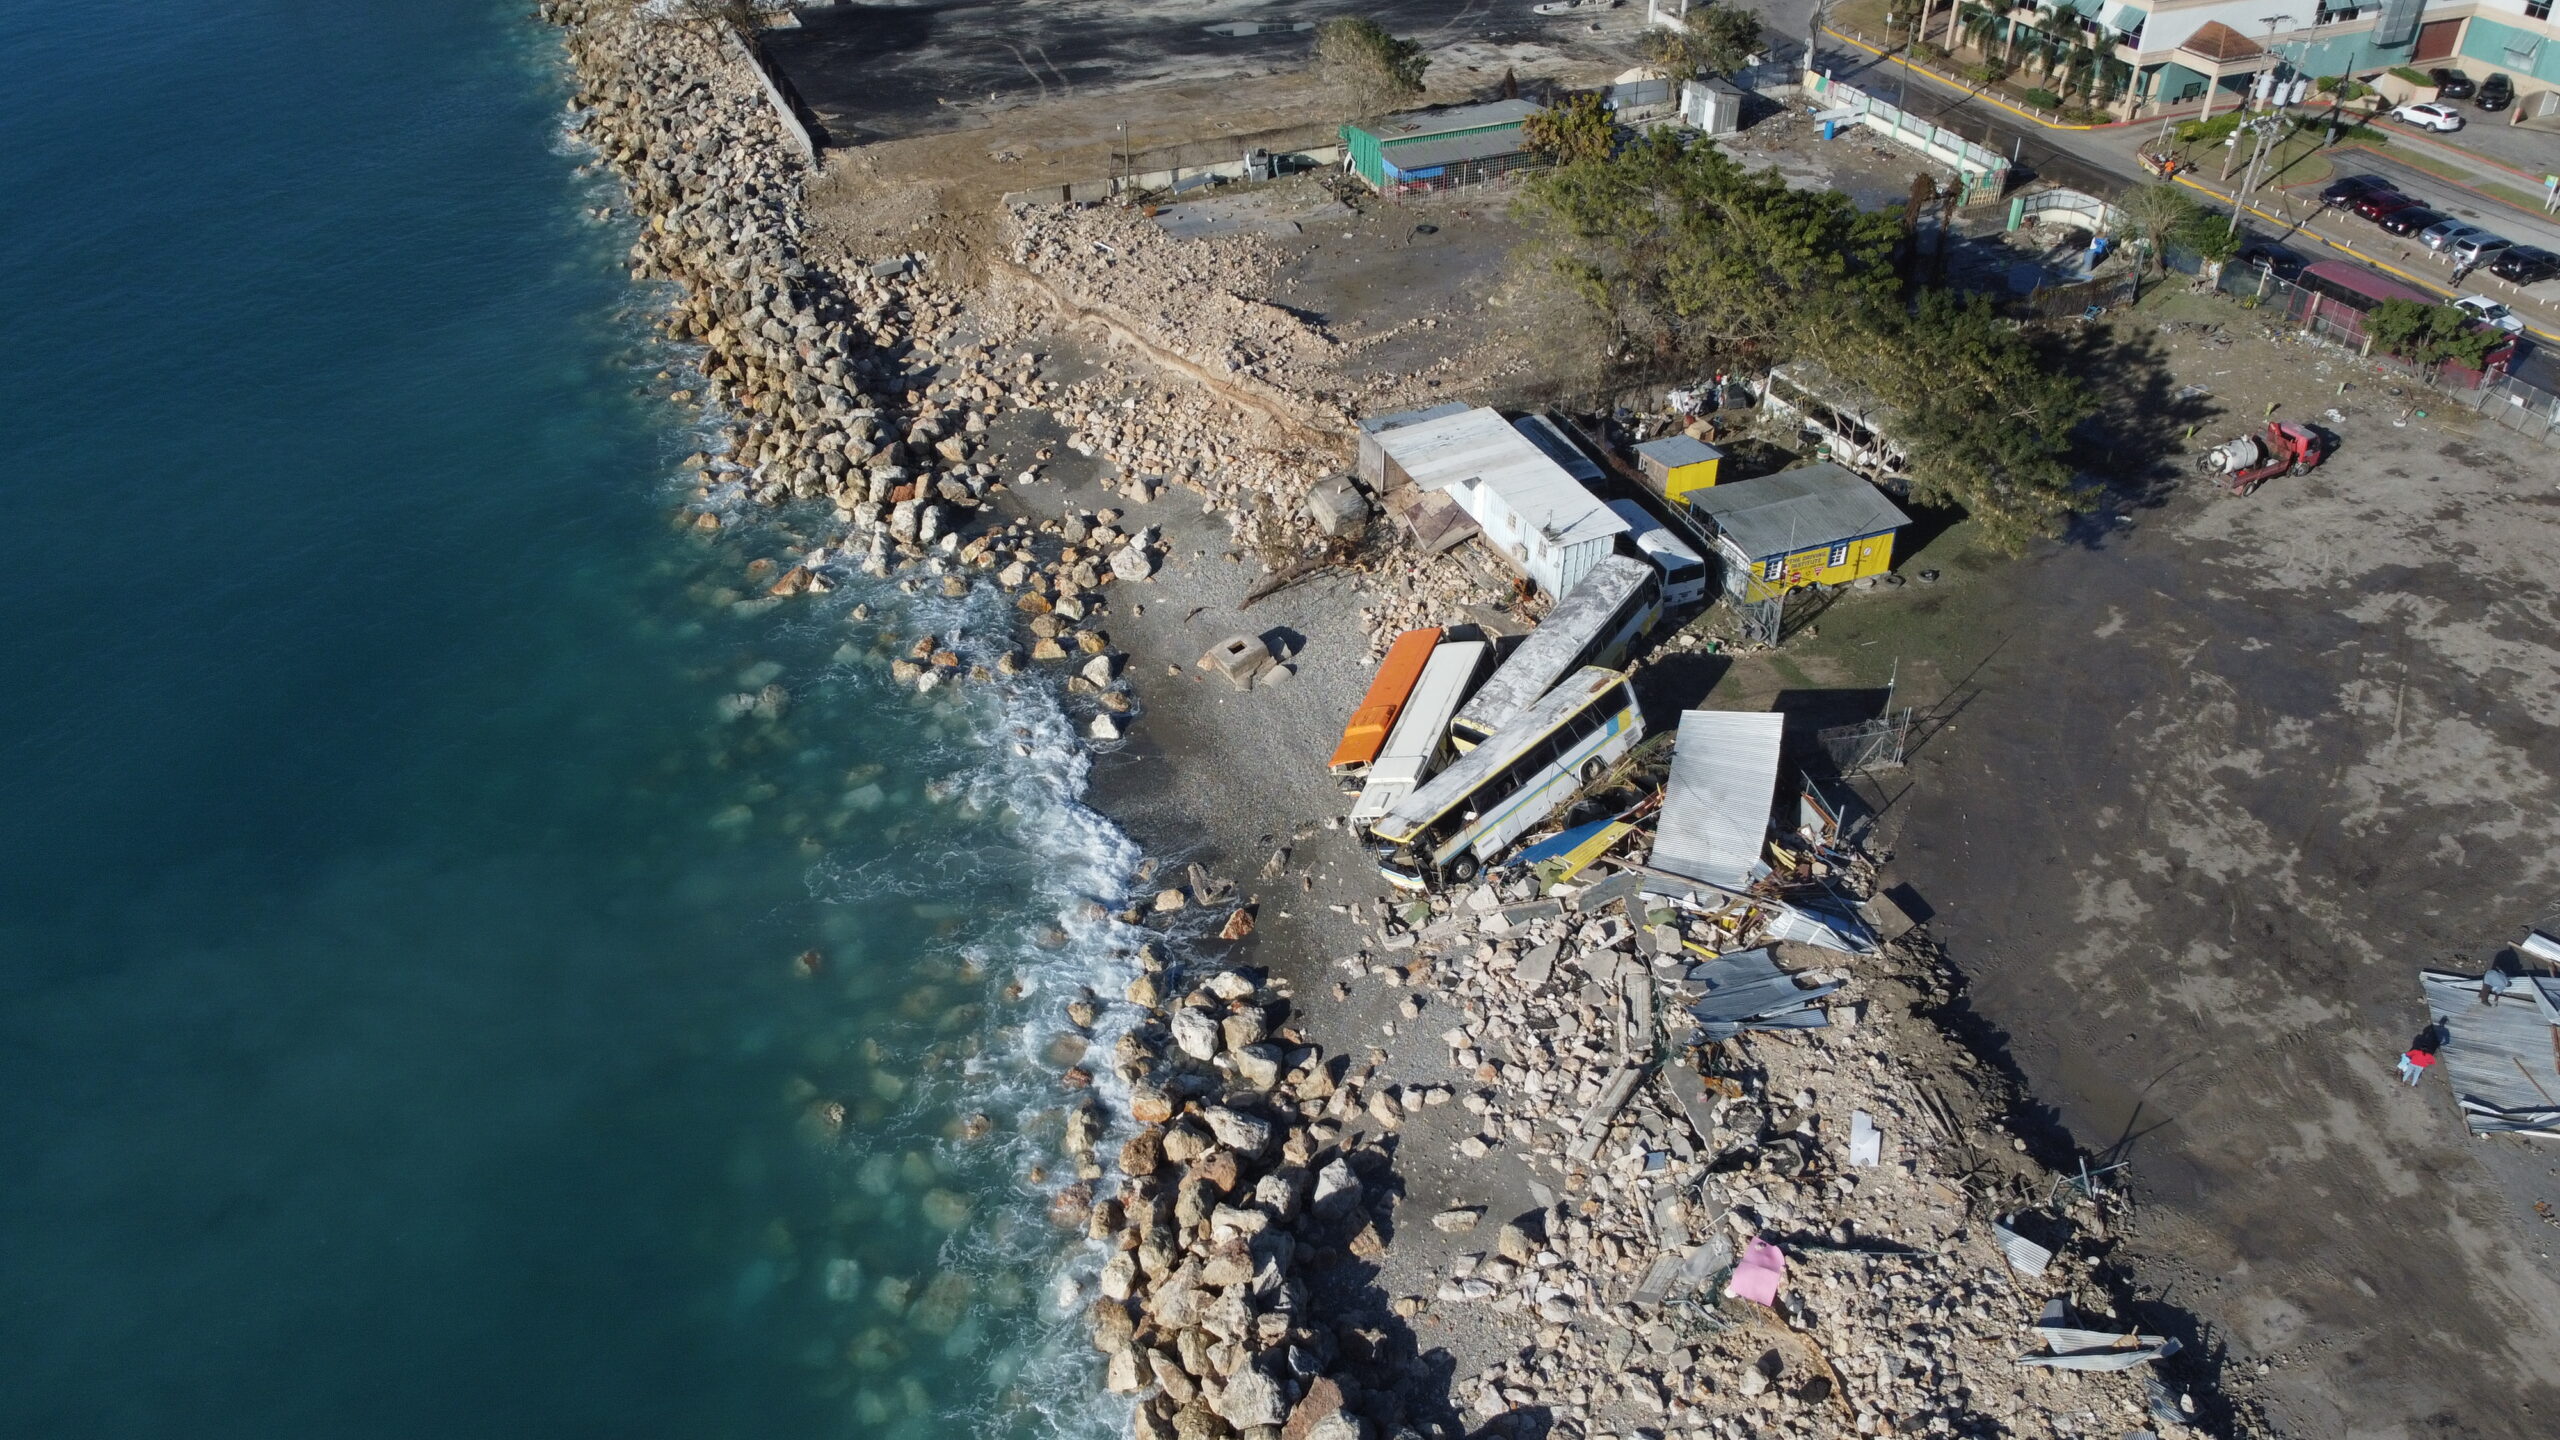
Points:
1463	869
1592	770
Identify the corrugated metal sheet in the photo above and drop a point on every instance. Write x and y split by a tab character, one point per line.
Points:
1415	124
2029	1257
1563	640
1797	510
2499	1050
1715	808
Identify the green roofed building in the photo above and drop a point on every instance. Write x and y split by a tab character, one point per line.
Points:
1436	149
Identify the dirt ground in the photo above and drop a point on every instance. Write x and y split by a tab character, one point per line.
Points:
2194	796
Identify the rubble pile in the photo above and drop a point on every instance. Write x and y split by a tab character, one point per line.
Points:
1669	1162
858	387
1189	294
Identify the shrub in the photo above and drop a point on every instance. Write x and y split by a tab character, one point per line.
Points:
2413	76
2043	99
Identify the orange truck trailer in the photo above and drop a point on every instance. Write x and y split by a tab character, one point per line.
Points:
1366	735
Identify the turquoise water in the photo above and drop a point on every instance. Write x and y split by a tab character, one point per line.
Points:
402	1030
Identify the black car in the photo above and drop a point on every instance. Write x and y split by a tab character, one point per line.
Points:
2452	84
2411	220
2524	264
2496	93
2352	188
2269	256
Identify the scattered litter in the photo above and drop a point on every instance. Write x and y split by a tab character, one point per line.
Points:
1866	1142
2076	1349
2193	392
1756	1275
2499	1049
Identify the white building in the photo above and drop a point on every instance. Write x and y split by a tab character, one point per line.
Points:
2181	52
1526	505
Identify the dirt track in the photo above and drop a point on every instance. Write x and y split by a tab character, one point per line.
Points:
2216	789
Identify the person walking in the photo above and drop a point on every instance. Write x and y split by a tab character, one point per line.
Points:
2421	1054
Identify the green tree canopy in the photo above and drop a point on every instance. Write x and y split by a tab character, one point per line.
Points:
2430	334
1370	70
1985	421
1718	40
1580	129
1688	255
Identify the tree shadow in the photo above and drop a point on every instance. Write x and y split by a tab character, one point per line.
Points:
2134	445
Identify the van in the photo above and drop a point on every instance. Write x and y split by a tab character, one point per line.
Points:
1684	570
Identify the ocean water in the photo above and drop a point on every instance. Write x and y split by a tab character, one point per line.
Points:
403	1022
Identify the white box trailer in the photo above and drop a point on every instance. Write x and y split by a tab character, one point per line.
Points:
1419	742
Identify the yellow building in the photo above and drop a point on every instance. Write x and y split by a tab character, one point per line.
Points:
1820	525
1677	464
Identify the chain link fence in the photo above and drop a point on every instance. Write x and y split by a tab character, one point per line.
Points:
2512	403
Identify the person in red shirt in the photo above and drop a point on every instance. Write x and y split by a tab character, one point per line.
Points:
2420	1055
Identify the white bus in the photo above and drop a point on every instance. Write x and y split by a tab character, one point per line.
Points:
1684	570
1461	818
1420	740
1593	624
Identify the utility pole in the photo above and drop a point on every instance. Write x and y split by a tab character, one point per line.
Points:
1813	33
2260	131
2272	22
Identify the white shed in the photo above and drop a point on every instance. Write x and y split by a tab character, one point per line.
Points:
1530	509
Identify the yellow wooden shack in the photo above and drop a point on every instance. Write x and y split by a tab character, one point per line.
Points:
1819	525
1678	464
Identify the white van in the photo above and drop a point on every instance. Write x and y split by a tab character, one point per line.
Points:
1684	570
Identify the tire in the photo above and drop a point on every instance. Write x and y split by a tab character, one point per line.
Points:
1592	770
1463	869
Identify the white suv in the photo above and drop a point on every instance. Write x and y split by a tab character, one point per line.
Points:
2427	115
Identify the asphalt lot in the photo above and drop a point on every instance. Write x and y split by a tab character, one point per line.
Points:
881	71
2212	788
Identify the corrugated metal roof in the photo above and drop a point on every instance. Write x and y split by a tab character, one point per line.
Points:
1715	808
2499	1051
1479	445
1421	124
1379	424
1559	641
1797	510
1416	156
1558	446
1673	451
2029	1257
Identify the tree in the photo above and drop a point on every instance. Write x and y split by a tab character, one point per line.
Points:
1371	71
2429	334
1580	129
1687	256
2149	215
1717	40
1727	36
1983	419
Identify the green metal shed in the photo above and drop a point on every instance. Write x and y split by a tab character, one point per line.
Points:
1434	149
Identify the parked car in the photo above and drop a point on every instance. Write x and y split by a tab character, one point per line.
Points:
2349	189
2374	204
2445	232
2452	84
2490	312
2428	115
2411	220
2275	259
2496	93
2524	264
2475	249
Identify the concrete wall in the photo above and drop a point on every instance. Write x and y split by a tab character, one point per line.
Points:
1177	178
783	110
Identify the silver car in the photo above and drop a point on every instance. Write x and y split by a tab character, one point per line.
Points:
2475	248
2446	232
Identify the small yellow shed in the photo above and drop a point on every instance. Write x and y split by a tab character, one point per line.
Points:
1677	464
